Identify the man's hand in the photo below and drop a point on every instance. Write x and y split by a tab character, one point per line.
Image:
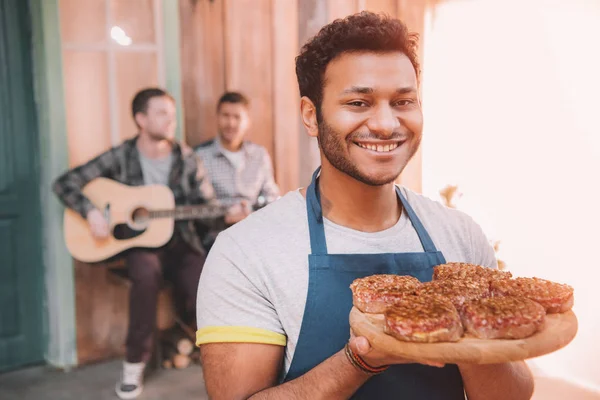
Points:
375	358
238	212
97	223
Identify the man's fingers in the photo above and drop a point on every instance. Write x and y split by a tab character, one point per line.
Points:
360	345
102	229
439	365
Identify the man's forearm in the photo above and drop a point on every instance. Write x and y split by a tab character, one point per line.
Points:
68	186
334	378
497	381
71	196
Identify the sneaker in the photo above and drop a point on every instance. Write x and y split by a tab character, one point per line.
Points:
131	383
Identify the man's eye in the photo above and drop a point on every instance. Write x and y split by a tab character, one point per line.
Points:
405	102
357	103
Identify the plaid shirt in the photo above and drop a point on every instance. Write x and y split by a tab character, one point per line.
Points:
187	180
252	180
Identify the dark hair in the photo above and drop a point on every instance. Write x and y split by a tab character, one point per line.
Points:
362	32
142	98
233	97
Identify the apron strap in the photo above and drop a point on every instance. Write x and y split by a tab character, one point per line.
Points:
426	242
316	229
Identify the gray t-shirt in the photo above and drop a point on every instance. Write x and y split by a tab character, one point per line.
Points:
254	283
236	158
156	170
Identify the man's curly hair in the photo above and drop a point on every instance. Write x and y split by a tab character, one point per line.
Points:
362	32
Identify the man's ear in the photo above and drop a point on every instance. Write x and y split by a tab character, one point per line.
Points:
309	116
140	119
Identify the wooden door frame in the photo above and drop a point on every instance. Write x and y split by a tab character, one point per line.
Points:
59	314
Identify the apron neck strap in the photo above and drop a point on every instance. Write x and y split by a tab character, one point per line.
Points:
318	244
316	228
424	237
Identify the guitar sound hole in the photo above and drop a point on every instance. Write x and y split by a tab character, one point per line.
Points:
140	216
124	232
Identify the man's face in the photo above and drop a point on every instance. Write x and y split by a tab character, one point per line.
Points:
160	119
371	116
233	122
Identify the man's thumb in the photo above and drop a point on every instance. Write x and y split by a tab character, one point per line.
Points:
360	345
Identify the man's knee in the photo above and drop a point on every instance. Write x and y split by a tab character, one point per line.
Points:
144	268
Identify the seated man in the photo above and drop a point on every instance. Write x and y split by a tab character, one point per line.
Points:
241	172
151	157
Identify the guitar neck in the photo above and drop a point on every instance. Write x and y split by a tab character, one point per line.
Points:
189	212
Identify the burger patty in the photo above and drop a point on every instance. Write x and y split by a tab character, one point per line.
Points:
424	319
502	317
373	294
458	270
554	297
458	291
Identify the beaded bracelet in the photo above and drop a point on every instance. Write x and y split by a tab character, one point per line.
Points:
361	364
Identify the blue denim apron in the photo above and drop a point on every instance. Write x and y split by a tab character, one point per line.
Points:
325	328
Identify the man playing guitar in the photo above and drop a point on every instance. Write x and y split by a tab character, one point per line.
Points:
151	157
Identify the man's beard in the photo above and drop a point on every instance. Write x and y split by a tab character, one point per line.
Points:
158	136
334	149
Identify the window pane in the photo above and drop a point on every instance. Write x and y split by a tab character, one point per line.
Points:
135	71
132	21
83	21
86	96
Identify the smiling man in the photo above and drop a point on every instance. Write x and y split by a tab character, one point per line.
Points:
274	298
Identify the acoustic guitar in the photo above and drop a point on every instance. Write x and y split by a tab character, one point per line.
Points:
138	216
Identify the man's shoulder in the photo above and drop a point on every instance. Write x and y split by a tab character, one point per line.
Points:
208	144
432	211
125	145
113	154
205	149
255	148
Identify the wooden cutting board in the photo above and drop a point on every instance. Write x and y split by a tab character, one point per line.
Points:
558	331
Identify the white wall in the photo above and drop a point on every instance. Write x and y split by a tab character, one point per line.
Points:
512	115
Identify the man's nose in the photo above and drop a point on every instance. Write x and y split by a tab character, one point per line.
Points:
383	121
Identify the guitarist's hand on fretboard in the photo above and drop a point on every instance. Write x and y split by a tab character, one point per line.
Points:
238	212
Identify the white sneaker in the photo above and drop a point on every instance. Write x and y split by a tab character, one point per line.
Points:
131	383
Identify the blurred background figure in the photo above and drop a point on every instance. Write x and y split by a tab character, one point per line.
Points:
240	171
152	157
